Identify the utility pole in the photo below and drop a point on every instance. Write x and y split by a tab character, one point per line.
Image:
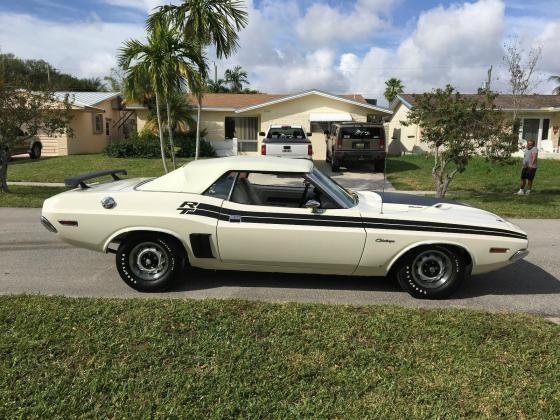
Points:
489	79
215	72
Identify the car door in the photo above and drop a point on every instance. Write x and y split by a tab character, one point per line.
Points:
271	231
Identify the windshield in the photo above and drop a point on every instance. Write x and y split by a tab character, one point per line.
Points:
286	133
334	189
362	133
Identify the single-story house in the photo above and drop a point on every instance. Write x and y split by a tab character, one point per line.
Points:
226	116
97	118
539	114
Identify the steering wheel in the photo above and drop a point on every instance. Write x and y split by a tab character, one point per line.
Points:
304	195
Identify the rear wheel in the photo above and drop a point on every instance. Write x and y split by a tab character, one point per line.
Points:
335	167
35	152
431	272
379	165
149	262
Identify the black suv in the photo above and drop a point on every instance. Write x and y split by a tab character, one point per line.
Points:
356	142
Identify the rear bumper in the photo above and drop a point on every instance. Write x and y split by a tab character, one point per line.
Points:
358	155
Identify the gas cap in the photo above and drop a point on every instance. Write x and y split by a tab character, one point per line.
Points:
108	202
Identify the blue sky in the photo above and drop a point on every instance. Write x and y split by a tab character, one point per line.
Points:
289	45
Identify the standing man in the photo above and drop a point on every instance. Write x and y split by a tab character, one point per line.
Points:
530	157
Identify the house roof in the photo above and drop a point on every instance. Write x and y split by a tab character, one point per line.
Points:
86	99
526	102
241	102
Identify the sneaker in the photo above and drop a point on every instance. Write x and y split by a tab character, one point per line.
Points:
527	192
520	192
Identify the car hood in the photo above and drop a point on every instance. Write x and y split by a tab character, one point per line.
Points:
401	206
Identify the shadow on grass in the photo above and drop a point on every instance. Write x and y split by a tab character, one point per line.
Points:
23	159
395	166
522	278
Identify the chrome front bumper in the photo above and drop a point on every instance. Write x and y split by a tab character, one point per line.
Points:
518	255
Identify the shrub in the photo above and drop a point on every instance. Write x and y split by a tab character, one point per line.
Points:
187	145
144	145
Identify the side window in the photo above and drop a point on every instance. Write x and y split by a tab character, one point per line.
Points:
222	187
272	189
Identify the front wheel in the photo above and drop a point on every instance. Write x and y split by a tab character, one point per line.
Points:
431	272
149	262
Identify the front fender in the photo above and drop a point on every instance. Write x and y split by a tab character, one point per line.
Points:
430	242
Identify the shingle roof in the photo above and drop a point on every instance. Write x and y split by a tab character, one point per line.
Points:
242	100
86	98
506	101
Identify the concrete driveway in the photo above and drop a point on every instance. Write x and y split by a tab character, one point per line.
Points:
359	178
32	260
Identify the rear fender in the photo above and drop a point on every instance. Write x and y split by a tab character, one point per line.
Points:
129	230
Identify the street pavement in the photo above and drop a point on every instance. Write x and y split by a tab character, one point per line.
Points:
33	260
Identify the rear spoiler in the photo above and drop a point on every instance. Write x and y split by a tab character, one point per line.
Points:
80	179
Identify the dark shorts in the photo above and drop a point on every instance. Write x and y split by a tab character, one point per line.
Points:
528	173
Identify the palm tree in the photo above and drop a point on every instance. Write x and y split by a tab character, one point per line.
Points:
166	62
218	86
181	115
236	78
206	22
393	87
556	79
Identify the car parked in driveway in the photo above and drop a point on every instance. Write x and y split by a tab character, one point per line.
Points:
27	144
356	142
286	141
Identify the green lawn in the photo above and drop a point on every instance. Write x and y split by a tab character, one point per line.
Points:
485	185
62	357
56	169
22	196
414	172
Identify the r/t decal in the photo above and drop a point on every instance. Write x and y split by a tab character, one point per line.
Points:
188	207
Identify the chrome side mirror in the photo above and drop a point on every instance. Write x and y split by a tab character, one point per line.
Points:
313	205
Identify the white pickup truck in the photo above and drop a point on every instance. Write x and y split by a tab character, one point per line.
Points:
286	141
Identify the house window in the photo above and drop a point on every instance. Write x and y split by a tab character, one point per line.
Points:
545	127
245	129
97	123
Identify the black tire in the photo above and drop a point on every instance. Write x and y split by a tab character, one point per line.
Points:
419	272
379	165
149	262
35	152
335	167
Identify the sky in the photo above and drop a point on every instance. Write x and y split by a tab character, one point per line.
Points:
341	46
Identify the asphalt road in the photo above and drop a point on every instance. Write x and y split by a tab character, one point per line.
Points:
32	260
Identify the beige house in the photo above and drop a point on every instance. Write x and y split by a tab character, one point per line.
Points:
97	119
540	121
226	116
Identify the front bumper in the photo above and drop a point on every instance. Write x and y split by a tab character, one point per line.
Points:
518	255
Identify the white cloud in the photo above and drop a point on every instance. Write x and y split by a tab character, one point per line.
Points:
85	49
143	5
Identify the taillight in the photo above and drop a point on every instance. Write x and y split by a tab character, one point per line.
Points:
382	142
339	143
309	150
263	149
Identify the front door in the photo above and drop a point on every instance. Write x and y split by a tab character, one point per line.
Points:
265	223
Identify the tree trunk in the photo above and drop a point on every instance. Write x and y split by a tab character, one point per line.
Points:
4	169
197	149
160	129
170	131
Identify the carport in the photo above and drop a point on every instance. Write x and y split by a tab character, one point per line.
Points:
319	123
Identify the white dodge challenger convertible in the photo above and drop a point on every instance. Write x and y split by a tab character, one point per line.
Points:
278	215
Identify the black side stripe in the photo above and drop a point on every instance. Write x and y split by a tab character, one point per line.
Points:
216	212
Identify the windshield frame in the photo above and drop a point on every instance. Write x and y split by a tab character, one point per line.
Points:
343	197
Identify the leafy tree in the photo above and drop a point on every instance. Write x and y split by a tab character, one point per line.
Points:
218	86
206	23
31	112
393	87
114	81
458	127
556	79
166	62
38	74
236	77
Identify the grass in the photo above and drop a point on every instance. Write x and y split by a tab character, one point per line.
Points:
485	185
56	169
63	357
23	196
414	172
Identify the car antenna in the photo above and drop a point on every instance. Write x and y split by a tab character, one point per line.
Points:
384	179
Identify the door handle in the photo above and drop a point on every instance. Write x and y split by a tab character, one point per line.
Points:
235	218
